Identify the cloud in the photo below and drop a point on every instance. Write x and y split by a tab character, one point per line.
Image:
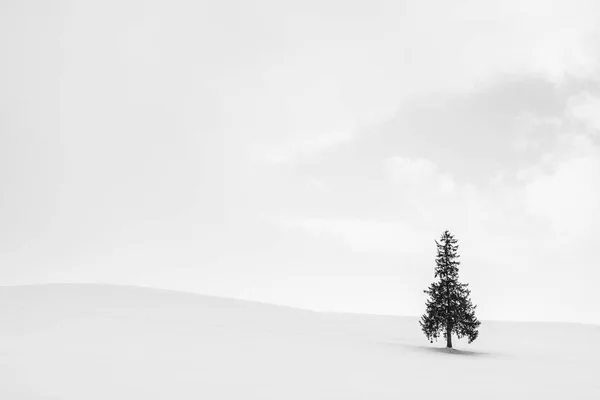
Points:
585	107
316	184
418	172
568	197
363	235
294	151
325	78
413	170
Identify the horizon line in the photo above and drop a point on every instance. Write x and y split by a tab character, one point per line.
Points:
161	289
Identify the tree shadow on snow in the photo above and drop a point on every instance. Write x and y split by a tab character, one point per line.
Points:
453	351
443	350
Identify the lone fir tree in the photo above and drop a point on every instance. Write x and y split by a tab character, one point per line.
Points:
449	308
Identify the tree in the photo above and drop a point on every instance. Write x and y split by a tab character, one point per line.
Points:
449	308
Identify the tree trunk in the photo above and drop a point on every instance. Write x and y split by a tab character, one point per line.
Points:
448	335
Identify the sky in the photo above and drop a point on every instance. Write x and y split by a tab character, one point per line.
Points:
305	153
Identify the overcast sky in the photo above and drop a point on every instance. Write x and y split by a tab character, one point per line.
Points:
305	153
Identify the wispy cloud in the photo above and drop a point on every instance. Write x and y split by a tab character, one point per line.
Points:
566	193
362	234
280	153
418	171
585	107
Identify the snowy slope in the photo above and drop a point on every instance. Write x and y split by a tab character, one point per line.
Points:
96	342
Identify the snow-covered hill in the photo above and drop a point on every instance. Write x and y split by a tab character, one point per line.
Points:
99	342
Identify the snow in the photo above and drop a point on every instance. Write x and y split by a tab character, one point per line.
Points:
88	342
